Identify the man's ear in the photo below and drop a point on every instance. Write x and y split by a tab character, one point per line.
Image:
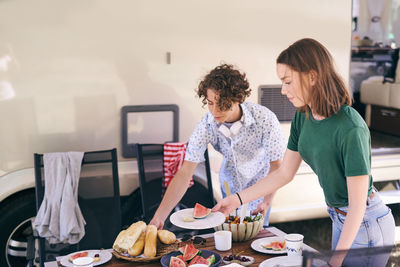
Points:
312	75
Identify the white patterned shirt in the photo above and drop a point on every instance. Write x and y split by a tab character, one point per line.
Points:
246	155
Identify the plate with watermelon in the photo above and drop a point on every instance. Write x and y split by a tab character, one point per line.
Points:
270	245
188	255
198	218
99	257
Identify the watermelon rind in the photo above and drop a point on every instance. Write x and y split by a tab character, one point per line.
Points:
211	260
200	212
182	249
176	262
190	252
198	260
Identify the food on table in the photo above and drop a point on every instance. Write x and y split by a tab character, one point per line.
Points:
244	231
200	212
150	245
176	262
96	258
275	245
198	260
188	251
190	255
236	258
137	248
141	239
127	238
188	219
166	237
236	219
211	260
239	259
78	255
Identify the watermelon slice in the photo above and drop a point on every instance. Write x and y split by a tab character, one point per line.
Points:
198	260
176	262
78	255
190	252
182	249
200	212
276	245
211	260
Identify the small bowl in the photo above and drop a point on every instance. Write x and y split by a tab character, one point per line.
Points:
83	261
243	263
242	231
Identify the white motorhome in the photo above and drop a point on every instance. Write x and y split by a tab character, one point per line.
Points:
68	67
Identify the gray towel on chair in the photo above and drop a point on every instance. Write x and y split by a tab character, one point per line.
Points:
59	218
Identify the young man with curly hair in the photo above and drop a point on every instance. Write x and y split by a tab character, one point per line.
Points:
248	136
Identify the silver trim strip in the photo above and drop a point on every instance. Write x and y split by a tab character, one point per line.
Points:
18	244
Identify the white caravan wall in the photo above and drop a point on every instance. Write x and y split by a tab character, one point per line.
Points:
75	63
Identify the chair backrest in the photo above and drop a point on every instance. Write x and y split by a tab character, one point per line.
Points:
361	257
150	167
98	198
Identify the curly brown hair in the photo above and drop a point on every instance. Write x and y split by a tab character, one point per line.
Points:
228	83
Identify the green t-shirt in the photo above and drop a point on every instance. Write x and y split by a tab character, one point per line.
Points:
335	147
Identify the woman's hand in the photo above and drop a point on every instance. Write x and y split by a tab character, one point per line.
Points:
227	205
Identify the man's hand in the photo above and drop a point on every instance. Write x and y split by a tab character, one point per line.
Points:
227	204
157	222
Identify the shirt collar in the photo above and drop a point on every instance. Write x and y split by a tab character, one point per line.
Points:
247	118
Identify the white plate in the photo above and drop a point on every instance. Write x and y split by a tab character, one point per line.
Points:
283	260
105	256
256	245
292	261
212	220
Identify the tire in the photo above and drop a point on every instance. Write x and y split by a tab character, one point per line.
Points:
17	214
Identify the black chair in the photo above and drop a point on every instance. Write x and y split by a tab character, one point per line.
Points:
150	166
362	257
98	198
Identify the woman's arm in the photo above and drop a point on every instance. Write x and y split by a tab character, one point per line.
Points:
175	191
357	187
268	185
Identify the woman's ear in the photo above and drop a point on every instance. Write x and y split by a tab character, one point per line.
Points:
312	75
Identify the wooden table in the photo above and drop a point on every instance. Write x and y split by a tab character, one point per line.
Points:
209	245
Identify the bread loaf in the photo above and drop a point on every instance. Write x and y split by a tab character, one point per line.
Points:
137	248
128	237
166	237
150	245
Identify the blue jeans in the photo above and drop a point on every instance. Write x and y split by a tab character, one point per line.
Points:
266	221
377	228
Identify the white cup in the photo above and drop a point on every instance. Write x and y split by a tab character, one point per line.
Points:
223	240
294	244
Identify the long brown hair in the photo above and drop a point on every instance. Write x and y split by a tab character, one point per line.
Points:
329	92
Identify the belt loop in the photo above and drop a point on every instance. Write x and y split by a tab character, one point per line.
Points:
371	196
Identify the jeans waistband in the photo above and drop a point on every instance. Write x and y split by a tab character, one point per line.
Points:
345	213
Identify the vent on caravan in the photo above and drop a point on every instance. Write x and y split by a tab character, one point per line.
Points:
270	97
